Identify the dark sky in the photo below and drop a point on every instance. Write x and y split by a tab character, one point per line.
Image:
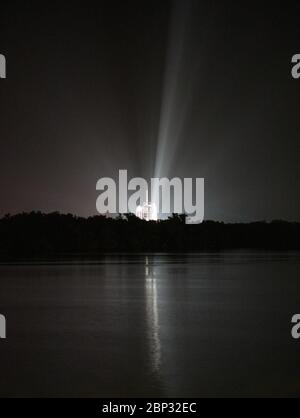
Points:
88	88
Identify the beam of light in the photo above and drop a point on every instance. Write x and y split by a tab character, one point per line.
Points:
174	103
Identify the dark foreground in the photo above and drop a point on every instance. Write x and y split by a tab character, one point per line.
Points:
152	325
35	234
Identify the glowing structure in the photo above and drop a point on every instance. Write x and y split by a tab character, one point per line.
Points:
148	211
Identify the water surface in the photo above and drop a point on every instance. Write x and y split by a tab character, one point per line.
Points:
151	325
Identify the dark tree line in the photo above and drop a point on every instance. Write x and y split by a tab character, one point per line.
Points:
37	234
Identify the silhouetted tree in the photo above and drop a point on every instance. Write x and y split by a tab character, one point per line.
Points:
36	234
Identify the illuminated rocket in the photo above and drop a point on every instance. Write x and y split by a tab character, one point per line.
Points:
148	211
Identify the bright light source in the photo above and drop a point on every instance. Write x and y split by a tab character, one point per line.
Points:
147	211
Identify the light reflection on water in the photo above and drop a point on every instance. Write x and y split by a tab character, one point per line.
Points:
152	315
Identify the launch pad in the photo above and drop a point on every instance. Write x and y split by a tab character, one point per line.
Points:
147	211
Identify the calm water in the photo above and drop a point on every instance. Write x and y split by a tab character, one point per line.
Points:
156	325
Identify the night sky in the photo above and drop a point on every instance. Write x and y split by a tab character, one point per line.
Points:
191	88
